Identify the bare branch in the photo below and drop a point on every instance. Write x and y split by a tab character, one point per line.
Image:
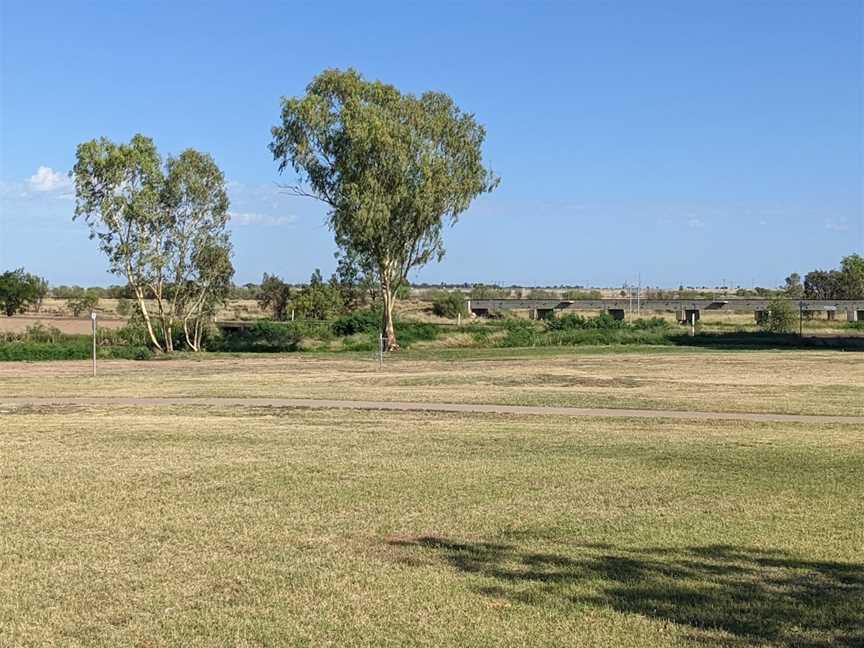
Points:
297	190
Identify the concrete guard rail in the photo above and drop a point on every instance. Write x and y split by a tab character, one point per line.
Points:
688	310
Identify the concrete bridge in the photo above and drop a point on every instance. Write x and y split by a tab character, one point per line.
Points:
688	310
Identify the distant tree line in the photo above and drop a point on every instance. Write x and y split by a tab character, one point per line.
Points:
845	282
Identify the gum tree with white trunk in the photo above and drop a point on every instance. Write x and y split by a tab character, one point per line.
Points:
392	168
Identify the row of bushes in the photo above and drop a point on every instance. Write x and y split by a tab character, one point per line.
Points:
72	347
570	330
360	330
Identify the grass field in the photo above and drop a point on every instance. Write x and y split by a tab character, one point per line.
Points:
173	527
215	526
794	382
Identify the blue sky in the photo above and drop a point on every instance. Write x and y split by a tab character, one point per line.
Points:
689	142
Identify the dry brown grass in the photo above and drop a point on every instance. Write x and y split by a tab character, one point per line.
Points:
266	527
796	382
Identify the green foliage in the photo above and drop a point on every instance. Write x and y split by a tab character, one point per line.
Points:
449	304
605	336
77	348
392	167
519	333
411	332
481	291
539	293
403	291
20	290
274	296
582	294
852	271
571	321
572	329
357	322
782	318
354	280
651	324
792	287
124	307
845	283
765	292
164	229
40	342
318	300
263	337
84	302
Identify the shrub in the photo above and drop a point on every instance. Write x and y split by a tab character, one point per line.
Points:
598	336
651	323
83	302
480	291
318	300
520	333
39	333
449	304
582	294
273	296
124	307
403	291
782	318
567	322
357	322
71	347
264	336
571	321
410	332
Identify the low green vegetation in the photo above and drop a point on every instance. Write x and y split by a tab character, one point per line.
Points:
46	343
83	302
449	304
359	332
781	317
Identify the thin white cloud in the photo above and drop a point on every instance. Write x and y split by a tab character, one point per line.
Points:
47	179
254	218
837	226
695	223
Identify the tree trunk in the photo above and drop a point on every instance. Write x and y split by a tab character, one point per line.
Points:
389	299
193	339
169	338
139	295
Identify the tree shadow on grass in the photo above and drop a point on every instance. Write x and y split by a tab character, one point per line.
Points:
729	595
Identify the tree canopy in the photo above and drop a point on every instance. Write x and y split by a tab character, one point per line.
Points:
162	227
19	290
845	283
274	296
392	168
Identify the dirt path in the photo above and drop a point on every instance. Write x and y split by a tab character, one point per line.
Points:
434	407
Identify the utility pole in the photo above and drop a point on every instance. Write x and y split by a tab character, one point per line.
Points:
629	301
380	350
93	319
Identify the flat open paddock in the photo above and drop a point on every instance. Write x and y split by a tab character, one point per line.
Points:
790	382
277	527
